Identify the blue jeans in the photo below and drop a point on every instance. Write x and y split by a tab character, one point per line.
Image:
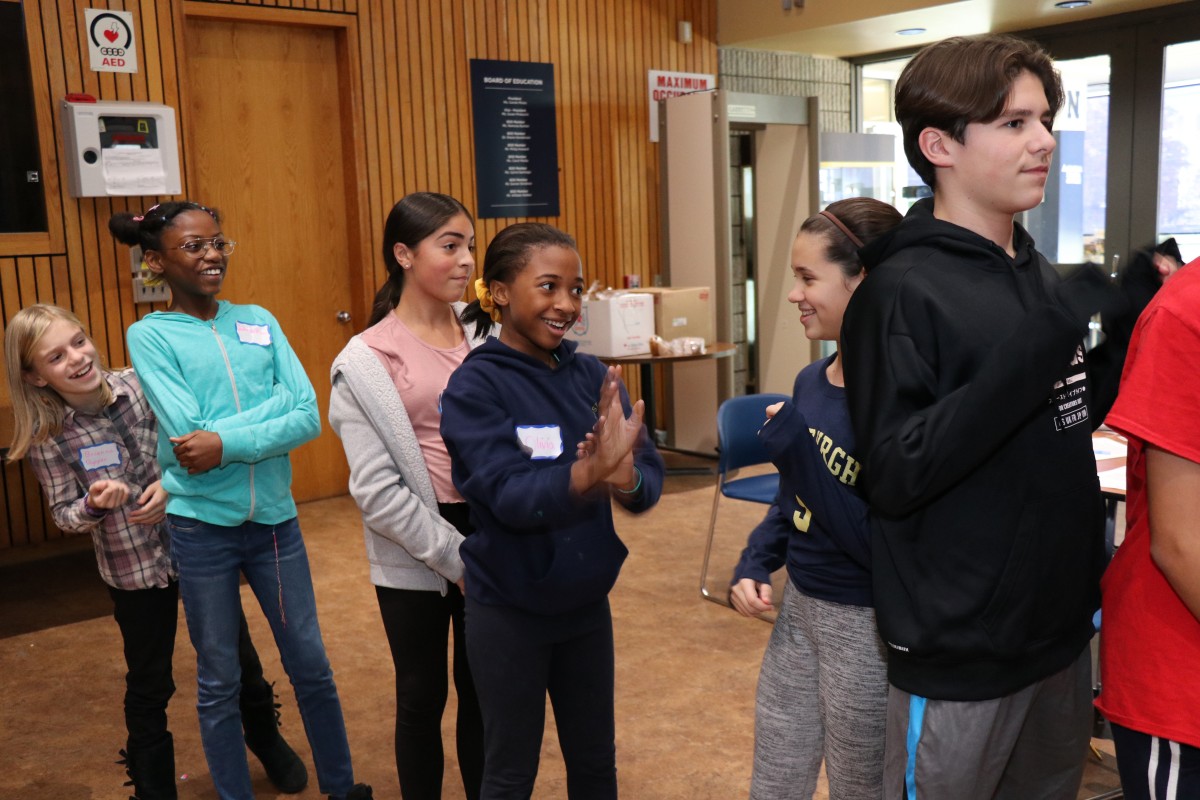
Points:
210	560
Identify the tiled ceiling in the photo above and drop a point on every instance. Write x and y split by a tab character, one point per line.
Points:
847	28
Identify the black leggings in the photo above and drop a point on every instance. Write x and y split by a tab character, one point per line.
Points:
417	625
517	659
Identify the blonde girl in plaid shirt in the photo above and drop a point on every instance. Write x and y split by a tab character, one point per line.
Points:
90	437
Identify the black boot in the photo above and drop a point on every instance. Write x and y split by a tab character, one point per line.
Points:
360	791
260	723
151	770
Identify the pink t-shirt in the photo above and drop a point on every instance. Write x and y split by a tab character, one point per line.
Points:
1149	640
420	372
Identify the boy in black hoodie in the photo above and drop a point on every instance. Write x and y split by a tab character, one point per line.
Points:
967	390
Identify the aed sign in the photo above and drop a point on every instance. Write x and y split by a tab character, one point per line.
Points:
110	40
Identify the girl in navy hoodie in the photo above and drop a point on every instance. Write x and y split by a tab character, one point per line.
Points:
544	555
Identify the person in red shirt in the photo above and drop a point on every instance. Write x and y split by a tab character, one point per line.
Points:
1150	643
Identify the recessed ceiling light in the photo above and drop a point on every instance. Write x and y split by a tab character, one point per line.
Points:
912	31
1072	3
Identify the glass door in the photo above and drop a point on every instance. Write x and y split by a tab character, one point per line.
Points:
1179	149
1069	226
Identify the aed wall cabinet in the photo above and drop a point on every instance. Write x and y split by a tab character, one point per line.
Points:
120	148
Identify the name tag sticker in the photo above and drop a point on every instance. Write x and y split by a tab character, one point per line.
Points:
99	456
251	333
541	441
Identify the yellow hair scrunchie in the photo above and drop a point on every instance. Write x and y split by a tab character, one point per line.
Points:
150	278
485	300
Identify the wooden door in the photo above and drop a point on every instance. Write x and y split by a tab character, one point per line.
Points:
266	146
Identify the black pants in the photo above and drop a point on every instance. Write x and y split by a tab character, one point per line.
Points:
1176	771
516	658
148	619
417	625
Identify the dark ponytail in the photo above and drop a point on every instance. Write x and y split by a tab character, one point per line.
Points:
865	217
414	218
507	254
146	230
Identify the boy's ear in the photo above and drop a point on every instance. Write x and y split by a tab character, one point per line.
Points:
936	146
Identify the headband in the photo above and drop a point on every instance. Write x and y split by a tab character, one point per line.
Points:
841	226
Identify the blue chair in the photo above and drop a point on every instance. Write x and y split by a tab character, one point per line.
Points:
738	445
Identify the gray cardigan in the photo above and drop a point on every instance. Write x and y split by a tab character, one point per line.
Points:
409	544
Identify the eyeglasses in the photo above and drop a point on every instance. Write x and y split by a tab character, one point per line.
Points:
198	247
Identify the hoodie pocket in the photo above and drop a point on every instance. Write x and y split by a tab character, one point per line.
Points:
1050	579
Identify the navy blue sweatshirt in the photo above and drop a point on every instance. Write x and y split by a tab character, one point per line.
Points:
967	387
511	424
818	522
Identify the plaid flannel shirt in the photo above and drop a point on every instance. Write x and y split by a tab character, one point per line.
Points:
125	434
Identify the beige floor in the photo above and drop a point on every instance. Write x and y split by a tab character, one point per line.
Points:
686	668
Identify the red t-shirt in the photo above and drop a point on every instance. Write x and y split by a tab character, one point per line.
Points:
1149	641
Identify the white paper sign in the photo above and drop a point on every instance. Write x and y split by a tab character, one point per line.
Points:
111	46
133	171
542	441
672	84
99	456
253	333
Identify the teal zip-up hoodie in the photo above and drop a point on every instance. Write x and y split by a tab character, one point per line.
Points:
235	375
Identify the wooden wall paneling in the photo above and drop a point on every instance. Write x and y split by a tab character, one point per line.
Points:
413	82
591	166
60	271
376	99
569	157
355	169
151	51
18	519
607	249
462	145
460	133
433	80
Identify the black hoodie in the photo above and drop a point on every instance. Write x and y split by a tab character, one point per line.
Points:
968	394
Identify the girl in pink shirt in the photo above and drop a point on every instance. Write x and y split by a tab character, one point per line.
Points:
386	407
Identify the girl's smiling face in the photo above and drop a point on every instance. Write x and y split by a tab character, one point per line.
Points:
65	360
441	264
195	279
821	290
542	302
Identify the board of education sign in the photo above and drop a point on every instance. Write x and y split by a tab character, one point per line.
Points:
516	140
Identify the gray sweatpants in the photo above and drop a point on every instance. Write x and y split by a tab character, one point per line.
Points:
822	692
1029	745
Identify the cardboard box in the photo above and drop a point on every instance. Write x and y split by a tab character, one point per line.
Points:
618	325
683	311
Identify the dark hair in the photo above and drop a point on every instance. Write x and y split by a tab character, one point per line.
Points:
415	217
965	79
147	229
865	217
507	254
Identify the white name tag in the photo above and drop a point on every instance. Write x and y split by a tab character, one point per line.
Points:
99	456
542	441
250	333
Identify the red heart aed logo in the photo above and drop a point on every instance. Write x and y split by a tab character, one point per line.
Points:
111	35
